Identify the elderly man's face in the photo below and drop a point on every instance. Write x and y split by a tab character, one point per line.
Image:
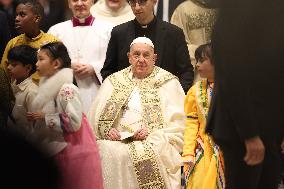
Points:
80	8
142	60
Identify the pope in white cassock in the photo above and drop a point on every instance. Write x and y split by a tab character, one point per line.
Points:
139	120
86	39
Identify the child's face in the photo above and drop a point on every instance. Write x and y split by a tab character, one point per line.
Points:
205	68
46	66
26	20
18	71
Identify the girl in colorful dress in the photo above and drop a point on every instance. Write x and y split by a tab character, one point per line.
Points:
203	162
60	127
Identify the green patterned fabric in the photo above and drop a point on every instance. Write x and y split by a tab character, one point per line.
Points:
7	98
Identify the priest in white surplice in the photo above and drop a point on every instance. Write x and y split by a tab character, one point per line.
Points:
86	39
139	121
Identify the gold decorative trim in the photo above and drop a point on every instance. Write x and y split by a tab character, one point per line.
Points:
145	164
146	167
150	99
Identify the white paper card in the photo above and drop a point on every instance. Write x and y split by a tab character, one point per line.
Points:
125	135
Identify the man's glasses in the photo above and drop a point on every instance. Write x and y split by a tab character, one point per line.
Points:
132	3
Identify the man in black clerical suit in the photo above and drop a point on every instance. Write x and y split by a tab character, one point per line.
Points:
246	114
168	39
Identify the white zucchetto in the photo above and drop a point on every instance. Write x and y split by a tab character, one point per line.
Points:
144	40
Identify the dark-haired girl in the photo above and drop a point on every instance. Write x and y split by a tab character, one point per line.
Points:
60	126
203	161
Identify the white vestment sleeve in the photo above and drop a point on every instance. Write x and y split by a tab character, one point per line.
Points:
168	142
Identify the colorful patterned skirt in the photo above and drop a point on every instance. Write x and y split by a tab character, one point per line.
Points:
208	171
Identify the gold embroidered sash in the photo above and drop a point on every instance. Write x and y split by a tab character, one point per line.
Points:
149	97
141	152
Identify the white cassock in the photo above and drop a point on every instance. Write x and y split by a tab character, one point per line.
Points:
128	104
86	45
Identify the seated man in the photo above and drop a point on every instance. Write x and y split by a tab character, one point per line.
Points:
138	118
